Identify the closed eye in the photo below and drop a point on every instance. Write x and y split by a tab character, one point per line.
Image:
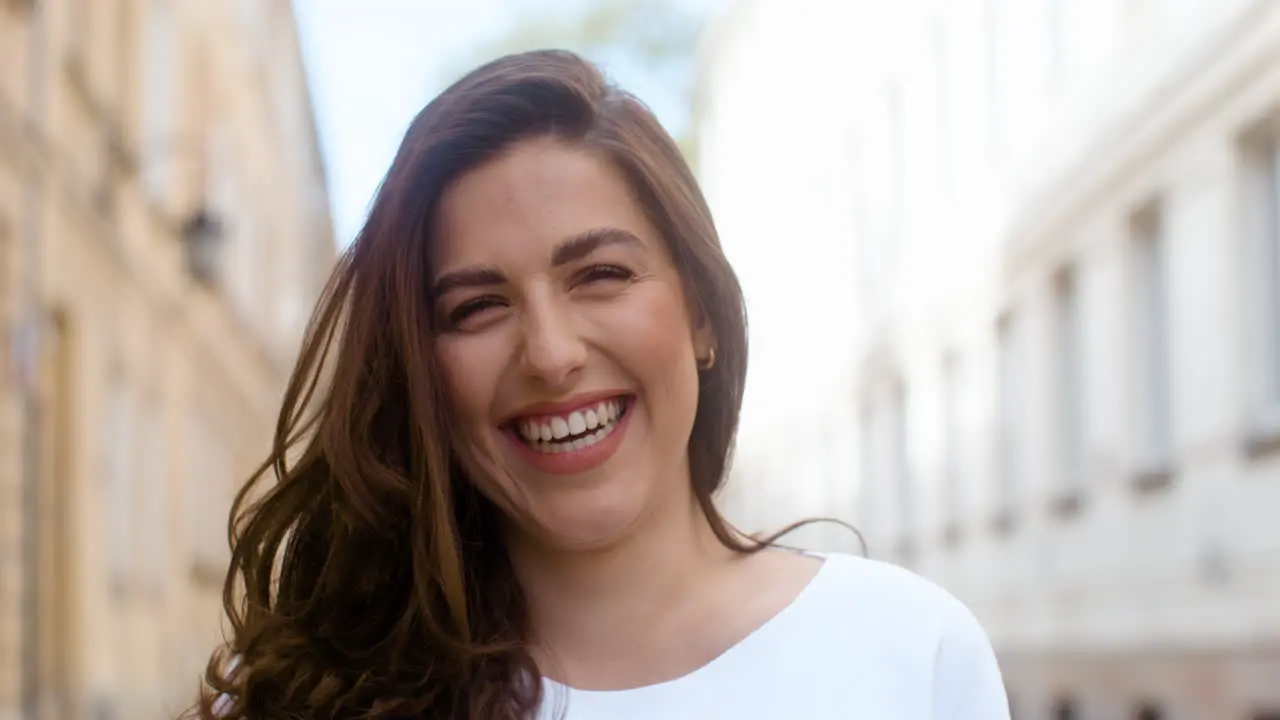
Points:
472	308
597	273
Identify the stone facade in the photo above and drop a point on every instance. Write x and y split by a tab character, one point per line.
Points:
1063	333
140	377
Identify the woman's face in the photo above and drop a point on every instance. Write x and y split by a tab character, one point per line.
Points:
567	344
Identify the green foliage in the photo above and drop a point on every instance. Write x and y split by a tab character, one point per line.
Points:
656	37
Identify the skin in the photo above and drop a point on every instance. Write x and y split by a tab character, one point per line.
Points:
626	583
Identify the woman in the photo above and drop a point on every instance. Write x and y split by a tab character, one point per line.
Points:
513	407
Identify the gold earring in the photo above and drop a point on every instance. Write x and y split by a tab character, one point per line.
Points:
710	362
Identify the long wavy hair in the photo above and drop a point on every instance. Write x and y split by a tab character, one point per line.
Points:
371	580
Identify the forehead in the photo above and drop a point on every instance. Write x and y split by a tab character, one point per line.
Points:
529	199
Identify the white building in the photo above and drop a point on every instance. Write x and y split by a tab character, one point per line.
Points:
1044	237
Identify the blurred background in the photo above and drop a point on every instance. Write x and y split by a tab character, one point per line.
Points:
1012	269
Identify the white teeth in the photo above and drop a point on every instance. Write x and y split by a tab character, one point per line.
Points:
549	435
559	428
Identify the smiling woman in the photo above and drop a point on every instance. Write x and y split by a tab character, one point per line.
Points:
497	456
578	304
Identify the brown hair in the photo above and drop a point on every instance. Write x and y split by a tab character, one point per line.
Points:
371	580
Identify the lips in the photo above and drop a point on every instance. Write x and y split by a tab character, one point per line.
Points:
573	436
572	430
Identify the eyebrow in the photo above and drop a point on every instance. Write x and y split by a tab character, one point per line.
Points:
585	243
575	248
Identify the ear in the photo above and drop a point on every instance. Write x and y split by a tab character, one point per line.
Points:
703	338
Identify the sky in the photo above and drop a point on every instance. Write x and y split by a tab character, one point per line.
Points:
373	64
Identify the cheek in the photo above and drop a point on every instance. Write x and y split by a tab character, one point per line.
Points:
471	367
653	338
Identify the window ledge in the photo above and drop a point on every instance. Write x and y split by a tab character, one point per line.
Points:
1003	522
1066	504
1263	435
905	552
1153	476
951	535
206	573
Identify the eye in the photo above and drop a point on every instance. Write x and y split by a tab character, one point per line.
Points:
472	308
598	273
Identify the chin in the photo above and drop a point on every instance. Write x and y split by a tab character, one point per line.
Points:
602	517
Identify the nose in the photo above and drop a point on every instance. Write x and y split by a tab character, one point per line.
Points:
554	351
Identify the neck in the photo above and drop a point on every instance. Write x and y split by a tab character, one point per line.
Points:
591	604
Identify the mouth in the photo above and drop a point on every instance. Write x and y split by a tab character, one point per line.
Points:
575	430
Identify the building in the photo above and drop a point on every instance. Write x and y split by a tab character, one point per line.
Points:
781	208
164	231
1065	319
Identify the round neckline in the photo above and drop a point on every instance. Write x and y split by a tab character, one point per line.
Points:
756	636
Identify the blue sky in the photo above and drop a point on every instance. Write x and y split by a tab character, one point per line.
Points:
373	64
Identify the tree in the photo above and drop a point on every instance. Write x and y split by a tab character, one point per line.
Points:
654	41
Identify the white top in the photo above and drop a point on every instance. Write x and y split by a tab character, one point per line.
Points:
864	640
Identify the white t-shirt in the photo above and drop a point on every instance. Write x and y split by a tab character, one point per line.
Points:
865	640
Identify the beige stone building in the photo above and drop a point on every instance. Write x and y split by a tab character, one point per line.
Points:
1057	223
164	231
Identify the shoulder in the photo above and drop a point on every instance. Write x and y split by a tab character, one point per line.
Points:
918	628
884	591
889	609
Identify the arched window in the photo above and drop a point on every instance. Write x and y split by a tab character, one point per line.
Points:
1148	711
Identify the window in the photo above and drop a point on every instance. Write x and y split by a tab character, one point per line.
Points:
897	164
252	21
897	151
1065	709
153	515
995	83
209	475
1009	419
77	37
160	61
1068	359
1262	223
868	470
1150	341
880	202
872	478
231	199
106	53
1055	17
941	108
951	471
245	268
902	480
222	195
1269	284
862	199
120	485
1148	711
93	41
